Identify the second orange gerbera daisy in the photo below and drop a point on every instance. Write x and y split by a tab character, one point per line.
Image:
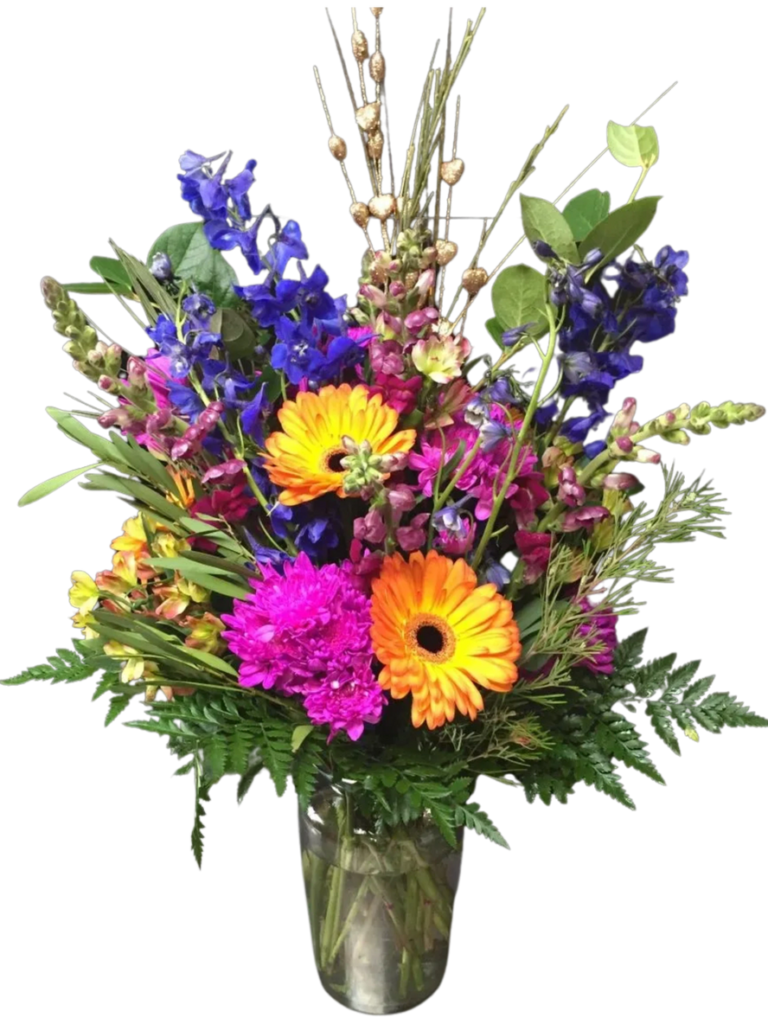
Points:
305	456
439	636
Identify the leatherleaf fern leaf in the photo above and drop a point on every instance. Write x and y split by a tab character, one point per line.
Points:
64	666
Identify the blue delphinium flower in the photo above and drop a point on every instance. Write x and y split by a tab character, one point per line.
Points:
313	527
287	245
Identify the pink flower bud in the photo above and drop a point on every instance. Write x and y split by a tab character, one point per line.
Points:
371	528
107	383
397	289
425	282
625	416
137	371
158	420
624	443
109	419
646	455
224	471
620	482
570	490
413	536
401	498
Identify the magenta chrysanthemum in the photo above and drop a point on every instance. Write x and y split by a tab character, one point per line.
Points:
306	631
525	493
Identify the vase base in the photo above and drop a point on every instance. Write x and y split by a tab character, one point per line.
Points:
373	1007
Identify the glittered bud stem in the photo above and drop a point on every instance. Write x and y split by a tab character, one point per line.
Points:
338	147
359	46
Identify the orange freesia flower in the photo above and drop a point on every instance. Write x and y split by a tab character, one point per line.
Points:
439	636
305	456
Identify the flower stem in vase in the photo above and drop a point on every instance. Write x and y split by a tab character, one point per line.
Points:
318	873
348	923
331	923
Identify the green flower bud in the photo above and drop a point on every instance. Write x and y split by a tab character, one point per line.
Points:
52	291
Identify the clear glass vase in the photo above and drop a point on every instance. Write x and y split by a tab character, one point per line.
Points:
380	903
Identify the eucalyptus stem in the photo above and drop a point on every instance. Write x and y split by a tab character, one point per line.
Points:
565	192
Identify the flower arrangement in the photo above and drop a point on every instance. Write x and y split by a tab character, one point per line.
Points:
365	556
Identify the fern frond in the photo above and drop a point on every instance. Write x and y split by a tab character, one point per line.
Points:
215	757
63	667
117	705
473	817
274	741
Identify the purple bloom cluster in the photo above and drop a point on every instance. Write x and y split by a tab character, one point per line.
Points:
224	204
601	327
314	347
305	631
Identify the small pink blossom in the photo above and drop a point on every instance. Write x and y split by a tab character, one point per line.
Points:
401	498
224	472
457	543
413	536
535	550
586	517
570	490
370	528
402	395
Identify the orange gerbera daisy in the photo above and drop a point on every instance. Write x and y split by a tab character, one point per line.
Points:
439	635
305	456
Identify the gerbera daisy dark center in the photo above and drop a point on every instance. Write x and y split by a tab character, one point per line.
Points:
430	638
333	460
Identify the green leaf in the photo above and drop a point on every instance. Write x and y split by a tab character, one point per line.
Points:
274	743
192	258
495	330
620	229
111	270
629	653
473	817
216	561
143	463
215	583
454	462
215	757
586	211
117	705
133	489
99	445
633	145
529	616
63	667
274	381
300	733
519	296
94	288
150	293
542	221
237	334
49	486
182	565
247	778
240	746
203	528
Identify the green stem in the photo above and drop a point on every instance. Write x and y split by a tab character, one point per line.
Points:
460	471
361	892
521	436
640	181
330	924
